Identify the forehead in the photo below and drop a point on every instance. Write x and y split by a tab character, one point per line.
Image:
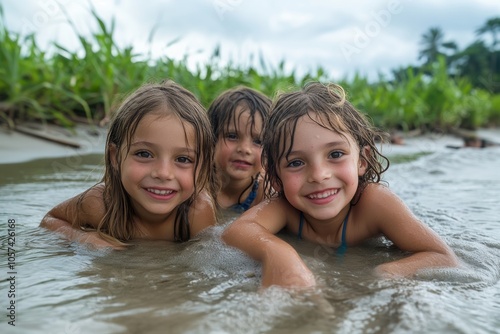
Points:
243	118
313	128
165	128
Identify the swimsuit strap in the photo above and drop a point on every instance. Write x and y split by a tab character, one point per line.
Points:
249	200
301	224
343	246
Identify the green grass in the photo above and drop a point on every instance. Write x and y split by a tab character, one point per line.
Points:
67	85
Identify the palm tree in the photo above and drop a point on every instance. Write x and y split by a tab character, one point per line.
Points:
473	62
433	45
491	26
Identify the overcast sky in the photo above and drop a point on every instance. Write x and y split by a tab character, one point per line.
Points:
343	37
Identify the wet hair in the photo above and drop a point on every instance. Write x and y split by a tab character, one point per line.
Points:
222	112
166	98
326	105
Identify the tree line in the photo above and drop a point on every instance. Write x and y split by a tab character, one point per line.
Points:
479	62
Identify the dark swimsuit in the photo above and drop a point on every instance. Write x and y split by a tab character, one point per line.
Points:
241	207
343	246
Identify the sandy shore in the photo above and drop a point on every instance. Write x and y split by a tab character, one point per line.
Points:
17	147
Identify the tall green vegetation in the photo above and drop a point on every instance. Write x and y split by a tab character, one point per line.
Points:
452	88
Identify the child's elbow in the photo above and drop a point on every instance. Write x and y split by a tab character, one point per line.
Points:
451	259
51	223
47	222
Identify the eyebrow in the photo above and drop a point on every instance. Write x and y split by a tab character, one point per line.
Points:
332	144
152	145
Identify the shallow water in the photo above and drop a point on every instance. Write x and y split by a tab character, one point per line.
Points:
204	287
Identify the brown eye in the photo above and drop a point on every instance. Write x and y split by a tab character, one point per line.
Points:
184	160
231	136
143	154
336	154
295	163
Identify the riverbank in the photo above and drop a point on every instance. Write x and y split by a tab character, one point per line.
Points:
18	147
49	141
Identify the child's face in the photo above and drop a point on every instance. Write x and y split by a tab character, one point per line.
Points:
157	171
237	156
320	176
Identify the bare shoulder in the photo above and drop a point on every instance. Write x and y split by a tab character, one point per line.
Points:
273	214
202	213
267	207
384	211
378	196
91	206
93	197
85	209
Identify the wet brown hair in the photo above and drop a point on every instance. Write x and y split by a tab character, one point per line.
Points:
222	111
166	98
327	102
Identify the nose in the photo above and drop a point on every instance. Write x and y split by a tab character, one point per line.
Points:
245	146
318	172
162	170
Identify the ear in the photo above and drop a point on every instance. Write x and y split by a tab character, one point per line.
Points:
363	163
113	155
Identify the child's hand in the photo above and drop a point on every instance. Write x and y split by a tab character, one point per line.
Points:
386	271
409	266
91	238
94	240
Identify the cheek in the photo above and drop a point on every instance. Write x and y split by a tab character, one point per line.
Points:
186	181
222	151
291	189
129	170
291	183
352	173
258	155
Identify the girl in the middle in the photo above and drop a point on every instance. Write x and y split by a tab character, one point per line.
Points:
238	116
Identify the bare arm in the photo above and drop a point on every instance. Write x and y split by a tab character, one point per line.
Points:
395	220
61	219
253	233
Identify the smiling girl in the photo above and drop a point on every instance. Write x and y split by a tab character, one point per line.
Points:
237	117
157	183
324	164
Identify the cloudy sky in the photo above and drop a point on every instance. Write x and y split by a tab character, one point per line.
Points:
343	37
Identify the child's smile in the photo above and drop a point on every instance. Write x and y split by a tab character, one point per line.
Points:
238	154
157	172
320	175
323	197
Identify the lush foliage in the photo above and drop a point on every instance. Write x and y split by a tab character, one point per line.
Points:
66	86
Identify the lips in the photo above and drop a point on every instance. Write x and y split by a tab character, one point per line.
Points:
159	191
323	194
160	194
241	163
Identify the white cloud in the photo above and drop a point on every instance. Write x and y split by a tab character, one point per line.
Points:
381	35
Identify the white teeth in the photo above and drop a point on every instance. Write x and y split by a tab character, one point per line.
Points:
160	192
323	194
